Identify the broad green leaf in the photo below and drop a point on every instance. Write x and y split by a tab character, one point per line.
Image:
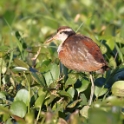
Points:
73	104
4	48
48	78
118	88
5	117
111	42
71	91
9	121
29	118
50	99
23	95
9	16
55	71
20	42
83	99
119	53
2	96
71	80
20	63
103	49
41	91
98	116
119	39
52	75
40	100
84	111
4	110
87	3
67	97
45	63
112	62
63	71
18	108
2	54
99	91
83	85
65	94
38	77
115	101
2	66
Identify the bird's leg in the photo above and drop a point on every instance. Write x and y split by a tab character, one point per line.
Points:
92	89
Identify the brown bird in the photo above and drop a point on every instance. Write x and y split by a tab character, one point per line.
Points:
80	53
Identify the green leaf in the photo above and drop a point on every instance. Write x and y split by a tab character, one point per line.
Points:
83	85
23	95
4	110
71	80
9	121
99	116
111	42
84	99
53	74
20	63
67	97
64	93
2	54
4	48
84	111
48	78
115	101
50	99
112	62
39	78
29	118
99	91
55	71
73	104
20	42
18	108
2	66
119	53
71	91
2	96
103	49
9	16
118	88
40	100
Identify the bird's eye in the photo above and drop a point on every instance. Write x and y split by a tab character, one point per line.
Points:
61	32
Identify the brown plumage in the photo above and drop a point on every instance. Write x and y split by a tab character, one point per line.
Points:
80	53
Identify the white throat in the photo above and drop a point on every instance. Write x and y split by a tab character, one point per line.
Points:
61	37
60	46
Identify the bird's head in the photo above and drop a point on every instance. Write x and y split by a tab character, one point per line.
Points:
62	34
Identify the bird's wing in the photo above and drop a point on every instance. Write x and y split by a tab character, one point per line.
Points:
82	53
84	48
93	49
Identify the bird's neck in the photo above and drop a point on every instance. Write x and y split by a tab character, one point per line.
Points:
60	46
63	39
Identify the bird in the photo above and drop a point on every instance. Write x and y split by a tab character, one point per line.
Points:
80	53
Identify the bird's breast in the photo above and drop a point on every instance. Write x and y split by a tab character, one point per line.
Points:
76	56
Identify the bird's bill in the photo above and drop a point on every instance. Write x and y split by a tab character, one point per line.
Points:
51	39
